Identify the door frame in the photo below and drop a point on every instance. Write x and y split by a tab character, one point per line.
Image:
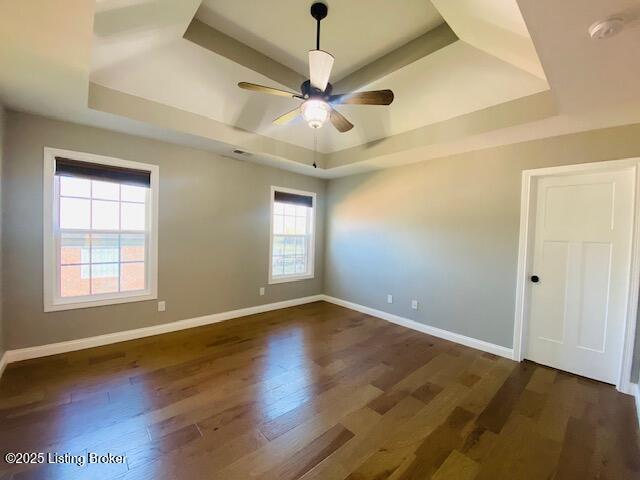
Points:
528	197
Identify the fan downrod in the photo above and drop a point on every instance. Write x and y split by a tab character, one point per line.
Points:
318	11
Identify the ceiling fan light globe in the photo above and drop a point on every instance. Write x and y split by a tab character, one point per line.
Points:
315	112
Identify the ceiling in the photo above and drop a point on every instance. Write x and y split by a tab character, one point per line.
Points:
285	31
588	75
498	71
457	79
163	67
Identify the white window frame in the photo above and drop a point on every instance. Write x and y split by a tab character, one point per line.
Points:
52	300
311	247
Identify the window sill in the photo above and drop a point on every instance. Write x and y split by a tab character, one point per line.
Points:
72	305
292	278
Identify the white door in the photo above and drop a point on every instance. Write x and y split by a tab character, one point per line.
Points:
582	258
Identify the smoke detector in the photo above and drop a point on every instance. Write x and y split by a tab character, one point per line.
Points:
606	28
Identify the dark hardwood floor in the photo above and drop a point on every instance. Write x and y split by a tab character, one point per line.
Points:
312	392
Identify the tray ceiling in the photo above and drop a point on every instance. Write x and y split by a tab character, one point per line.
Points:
130	65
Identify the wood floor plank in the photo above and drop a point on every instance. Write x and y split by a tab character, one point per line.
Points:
438	446
366	442
457	466
283	446
496	413
407	436
285	422
162	446
520	452
311	454
578	449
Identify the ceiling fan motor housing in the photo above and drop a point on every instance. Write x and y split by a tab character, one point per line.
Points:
308	91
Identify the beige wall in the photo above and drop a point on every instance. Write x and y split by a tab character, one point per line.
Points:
213	233
445	231
2	124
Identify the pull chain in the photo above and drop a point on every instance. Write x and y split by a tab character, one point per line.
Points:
315	148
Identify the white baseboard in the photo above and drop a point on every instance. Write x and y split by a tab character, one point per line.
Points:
627	387
635	391
3	363
11	356
421	327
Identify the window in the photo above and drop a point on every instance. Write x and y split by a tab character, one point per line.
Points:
100	238
292	235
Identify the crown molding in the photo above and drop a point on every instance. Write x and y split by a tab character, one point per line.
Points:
221	44
410	52
221	138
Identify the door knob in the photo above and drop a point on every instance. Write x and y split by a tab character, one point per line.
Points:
535	278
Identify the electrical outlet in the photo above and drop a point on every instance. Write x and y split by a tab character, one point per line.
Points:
414	304
162	306
389	298
261	291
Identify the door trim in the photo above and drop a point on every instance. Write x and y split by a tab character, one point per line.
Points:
527	218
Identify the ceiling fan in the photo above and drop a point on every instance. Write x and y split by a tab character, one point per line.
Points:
319	101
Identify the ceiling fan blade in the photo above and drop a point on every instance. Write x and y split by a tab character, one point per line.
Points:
273	91
287	117
338	121
320	65
376	97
